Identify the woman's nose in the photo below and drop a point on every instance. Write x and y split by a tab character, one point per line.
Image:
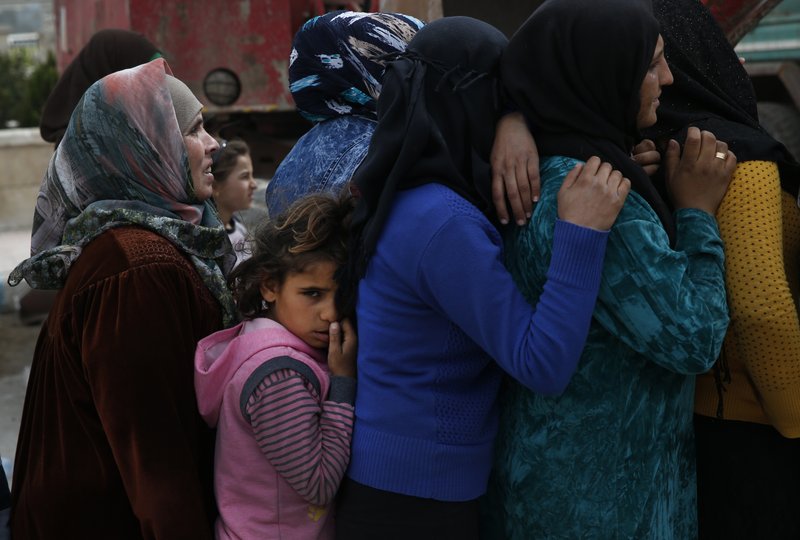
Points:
211	143
667	78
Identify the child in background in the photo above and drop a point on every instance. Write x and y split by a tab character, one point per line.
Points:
284	416
233	191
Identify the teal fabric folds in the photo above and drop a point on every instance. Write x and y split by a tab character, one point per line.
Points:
613	456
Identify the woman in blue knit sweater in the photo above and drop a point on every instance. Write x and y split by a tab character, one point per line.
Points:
435	304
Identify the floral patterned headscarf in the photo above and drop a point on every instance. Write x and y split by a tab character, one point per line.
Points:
123	162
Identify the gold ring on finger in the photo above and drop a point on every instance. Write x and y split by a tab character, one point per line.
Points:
721	155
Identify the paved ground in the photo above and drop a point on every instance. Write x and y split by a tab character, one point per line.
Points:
16	350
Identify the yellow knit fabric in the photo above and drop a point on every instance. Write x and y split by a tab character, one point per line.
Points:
760	226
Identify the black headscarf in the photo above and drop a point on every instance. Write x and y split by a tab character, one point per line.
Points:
106	52
712	90
436	120
575	69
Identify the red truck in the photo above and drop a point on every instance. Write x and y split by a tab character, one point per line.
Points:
234	53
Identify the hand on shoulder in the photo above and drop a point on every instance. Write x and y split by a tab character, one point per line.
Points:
592	195
698	177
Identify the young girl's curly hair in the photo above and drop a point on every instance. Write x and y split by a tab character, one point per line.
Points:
313	229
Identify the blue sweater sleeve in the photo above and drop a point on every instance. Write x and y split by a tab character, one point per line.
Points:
461	274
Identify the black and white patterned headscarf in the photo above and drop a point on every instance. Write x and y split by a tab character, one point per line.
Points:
337	61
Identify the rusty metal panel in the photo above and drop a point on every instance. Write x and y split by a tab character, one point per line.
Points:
76	21
251	38
737	17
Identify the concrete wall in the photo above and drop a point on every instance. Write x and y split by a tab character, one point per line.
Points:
24	157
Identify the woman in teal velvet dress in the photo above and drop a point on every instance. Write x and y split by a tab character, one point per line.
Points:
612	457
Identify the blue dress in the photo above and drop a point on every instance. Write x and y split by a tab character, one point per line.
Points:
613	456
322	160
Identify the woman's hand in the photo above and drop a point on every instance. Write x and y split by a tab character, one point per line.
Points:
515	169
592	195
646	155
699	177
342	349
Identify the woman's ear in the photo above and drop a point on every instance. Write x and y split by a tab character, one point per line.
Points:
269	290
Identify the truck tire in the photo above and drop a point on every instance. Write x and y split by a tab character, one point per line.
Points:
782	121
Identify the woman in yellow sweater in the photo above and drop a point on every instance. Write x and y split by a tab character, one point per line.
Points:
747	409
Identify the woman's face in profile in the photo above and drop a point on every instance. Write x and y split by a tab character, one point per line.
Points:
199	146
657	75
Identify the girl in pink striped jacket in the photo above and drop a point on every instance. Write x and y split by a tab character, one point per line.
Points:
279	387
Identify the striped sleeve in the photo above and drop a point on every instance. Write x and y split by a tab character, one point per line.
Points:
307	441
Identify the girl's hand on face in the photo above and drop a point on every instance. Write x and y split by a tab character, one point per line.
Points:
699	177
646	155
592	195
515	169
342	349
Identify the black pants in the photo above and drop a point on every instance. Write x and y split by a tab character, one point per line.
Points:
748	481
365	513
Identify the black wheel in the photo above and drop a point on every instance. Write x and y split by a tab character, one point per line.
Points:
782	121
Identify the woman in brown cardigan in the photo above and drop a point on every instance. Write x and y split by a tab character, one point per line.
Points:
111	444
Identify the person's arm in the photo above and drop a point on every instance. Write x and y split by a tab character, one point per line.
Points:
138	338
515	169
308	444
461	274
763	313
668	305
697	175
